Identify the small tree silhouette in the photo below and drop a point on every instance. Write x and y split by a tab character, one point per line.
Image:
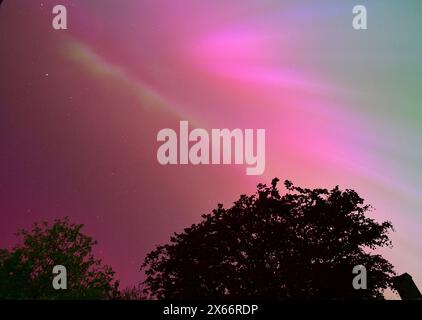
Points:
303	244
26	271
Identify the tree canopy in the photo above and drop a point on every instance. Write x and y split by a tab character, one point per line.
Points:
26	270
302	244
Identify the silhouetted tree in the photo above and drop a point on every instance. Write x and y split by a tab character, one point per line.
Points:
133	293
26	271
303	244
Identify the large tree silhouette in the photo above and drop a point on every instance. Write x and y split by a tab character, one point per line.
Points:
303	244
26	270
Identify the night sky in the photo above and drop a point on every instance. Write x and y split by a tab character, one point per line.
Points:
80	110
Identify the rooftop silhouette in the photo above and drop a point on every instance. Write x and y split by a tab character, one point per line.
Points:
407	288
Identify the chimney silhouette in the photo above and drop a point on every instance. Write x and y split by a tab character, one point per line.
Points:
407	288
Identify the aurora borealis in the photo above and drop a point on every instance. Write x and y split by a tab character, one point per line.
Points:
80	110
